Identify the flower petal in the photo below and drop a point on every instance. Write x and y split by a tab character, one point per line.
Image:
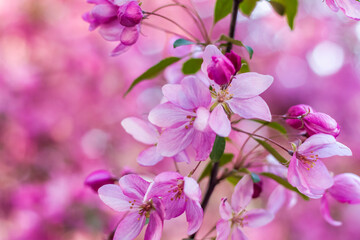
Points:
194	216
192	189
130	226
174	140
223	229
119	49
113	196
141	130
155	227
202	119
130	35
248	85
175	94
237	234
209	52
134	186
168	115
332	5
254	107
149	157
346	188
182	157
242	193
196	91
219	122
111	31
258	217
325	212
225	209
276	199
203	143
351	8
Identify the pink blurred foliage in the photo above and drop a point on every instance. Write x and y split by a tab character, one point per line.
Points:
61	104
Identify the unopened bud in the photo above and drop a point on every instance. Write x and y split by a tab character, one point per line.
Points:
346	188
257	189
130	14
234	59
298	111
99	178
321	123
220	70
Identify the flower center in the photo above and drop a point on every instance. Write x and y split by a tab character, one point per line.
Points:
223	96
239	219
191	120
177	190
146	208
308	160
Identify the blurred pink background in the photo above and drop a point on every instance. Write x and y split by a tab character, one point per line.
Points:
61	104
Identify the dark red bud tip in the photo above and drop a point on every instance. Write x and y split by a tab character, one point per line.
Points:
130	14
257	189
235	60
298	111
97	179
220	70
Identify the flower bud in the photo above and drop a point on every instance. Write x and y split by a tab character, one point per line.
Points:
346	188
99	178
298	111
220	69
234	59
130	14
257	189
321	123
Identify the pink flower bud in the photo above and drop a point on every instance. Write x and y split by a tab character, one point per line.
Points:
97	179
321	123
220	69
235	60
130	14
346	188
298	111
257	189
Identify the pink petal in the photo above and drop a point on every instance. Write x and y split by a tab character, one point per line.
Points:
237	234
325	212
192	189
111	31
174	207
324	146
254	107
276	200
175	94
225	209
196	91
242	193
130	35
104	12
223	229
130	226
168	114
258	217
134	186
351	8
155	227
248	85
141	130
210	50
149	157
194	216
332	5
346	188
219	122
173	73
113	196
174	140
120	2
119	49
202	119
203	143
181	157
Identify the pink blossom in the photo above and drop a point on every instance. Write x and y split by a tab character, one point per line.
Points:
235	216
346	189
179	194
307	172
280	197
147	133
99	178
118	21
133	198
240	96
311	121
184	119
351	8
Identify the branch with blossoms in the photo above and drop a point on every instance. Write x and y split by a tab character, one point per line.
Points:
204	109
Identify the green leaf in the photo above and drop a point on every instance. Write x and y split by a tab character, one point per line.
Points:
272	151
192	66
218	149
222	9
225	159
244	66
233	179
274	125
153	71
278	7
255	177
284	182
288	7
147	221
181	42
238	43
247	6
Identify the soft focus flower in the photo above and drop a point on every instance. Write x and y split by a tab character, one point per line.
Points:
99	178
179	194
307	172
351	8
346	189
279	197
185	119
147	133
118	21
132	197
312	122
235	216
